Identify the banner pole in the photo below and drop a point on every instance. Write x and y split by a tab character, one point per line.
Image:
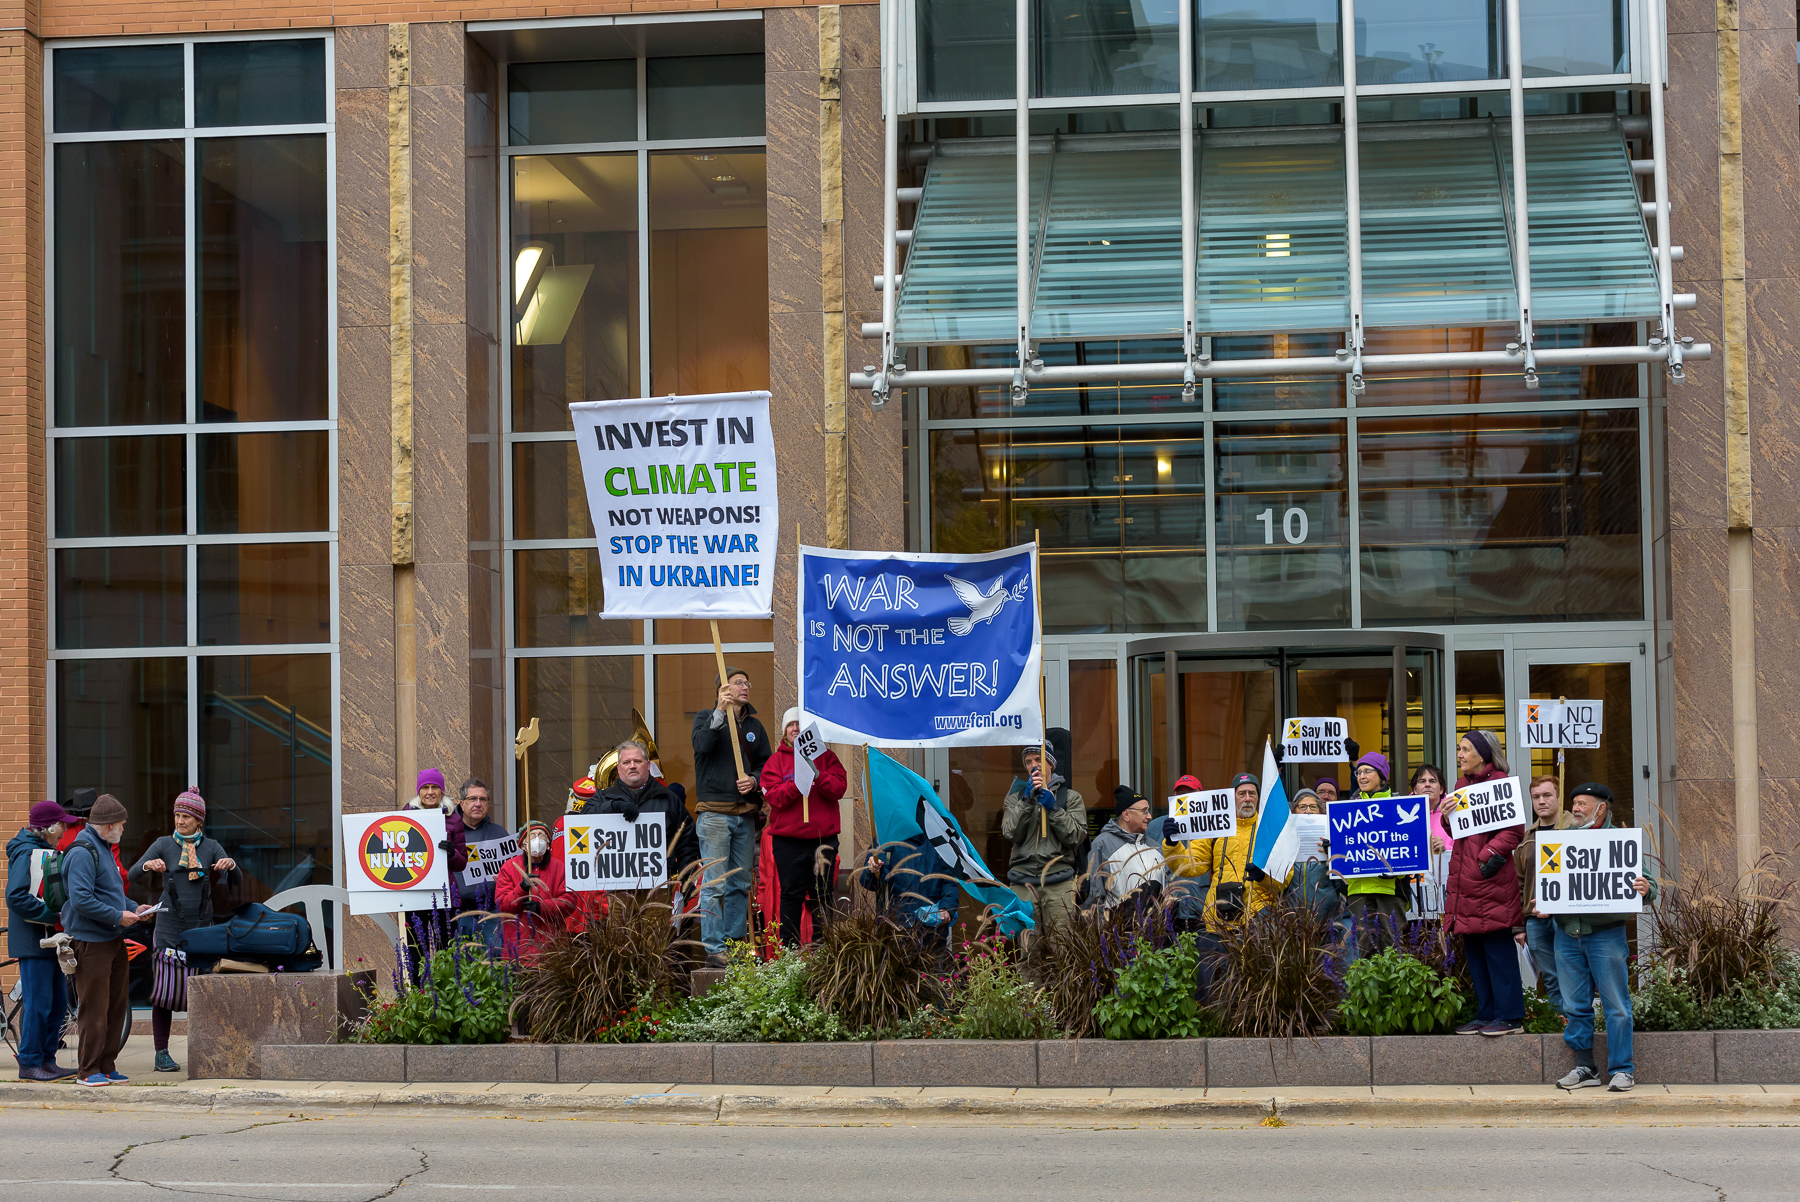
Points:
1037	595
868	801
528	734
737	752
1562	766
806	797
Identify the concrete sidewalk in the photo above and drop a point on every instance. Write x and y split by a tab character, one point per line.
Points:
1461	1105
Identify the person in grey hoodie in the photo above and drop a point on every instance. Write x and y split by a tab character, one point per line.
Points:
1123	859
95	918
187	860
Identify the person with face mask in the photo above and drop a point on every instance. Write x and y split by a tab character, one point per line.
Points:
539	902
1591	954
187	861
96	917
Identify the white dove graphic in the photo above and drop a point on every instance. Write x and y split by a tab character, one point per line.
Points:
983	607
1407	815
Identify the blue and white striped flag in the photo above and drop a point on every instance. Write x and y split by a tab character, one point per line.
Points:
1277	845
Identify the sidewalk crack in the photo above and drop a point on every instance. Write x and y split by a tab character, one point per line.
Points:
1704	1184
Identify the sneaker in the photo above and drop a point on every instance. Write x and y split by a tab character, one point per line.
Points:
117	1078
1580	1078
717	960
1503	1028
39	1072
165	1063
62	1074
95	1081
1475	1027
1621	1083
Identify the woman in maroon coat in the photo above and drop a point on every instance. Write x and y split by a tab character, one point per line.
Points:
1482	900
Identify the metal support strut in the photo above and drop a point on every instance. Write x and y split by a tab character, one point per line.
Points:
1353	200
1515	75
1022	183
1189	214
1665	279
890	215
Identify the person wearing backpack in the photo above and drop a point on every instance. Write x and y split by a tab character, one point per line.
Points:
95	917
187	859
34	897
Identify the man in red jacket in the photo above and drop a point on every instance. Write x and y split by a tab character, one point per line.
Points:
802	832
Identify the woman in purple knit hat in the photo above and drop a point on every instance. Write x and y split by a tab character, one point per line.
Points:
187	859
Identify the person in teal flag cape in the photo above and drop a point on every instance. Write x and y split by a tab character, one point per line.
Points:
903	804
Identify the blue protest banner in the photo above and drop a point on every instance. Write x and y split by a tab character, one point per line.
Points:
920	650
1380	836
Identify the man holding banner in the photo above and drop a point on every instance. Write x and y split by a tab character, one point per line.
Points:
729	803
1046	821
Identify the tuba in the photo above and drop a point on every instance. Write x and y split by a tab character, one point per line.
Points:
606	770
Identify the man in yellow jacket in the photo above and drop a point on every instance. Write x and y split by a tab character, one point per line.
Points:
1239	888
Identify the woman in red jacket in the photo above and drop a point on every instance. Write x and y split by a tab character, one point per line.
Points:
541	903
1481	900
802	834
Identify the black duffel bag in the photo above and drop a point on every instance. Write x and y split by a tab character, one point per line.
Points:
252	932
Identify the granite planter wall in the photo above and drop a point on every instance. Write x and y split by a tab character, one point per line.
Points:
232	1016
1673	1058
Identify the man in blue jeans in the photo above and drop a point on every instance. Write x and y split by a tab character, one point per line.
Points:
1590	960
44	994
729	808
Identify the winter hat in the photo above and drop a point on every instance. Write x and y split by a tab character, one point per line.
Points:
792	715
1593	789
1188	784
431	776
1484	746
46	814
584	788
1244	778
1049	756
192	804
1376	761
106	811
1303	795
1124	799
1326	780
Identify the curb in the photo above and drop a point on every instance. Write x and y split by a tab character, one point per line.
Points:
704	1106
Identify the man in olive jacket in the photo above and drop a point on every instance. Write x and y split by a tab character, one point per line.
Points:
1042	870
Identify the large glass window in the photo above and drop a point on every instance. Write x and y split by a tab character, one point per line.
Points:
191	272
1282	525
617	244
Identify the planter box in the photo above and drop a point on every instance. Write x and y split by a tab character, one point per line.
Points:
793	1064
1104	1063
635	1063
1458	1060
1756	1057
334	1062
1264	1063
481	1062
1660	1057
1002	1063
231	1016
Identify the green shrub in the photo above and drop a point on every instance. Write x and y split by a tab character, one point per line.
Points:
1393	993
1541	1018
1076	959
1155	997
993	1001
462	998
759	1001
1666	999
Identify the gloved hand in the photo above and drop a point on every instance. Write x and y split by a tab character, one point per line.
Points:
443	845
1045	798
631	813
1253	873
1278	749
1492	864
928	914
1353	750
530	906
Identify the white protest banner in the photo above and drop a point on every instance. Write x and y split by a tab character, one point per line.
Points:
393	861
682	494
1310	833
607	851
485	859
1590	872
1208	815
1315	741
807	746
1561	723
1488	806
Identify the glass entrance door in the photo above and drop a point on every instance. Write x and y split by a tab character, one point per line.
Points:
1618	677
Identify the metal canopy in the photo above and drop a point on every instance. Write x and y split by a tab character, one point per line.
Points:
1338	228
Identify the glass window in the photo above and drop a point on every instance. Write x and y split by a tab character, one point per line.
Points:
552	104
709	222
574	286
278	82
558	600
1609	381
120	309
1094	731
1283	526
706	96
549	495
1090	49
121	728
1426	41
265	483
686	685
1613	761
966	50
265	767
1120	513
121	597
1240	46
120	487
583	706
699	630
1486	518
1480	698
265	593
1582	37
263	259
117	87
1277	392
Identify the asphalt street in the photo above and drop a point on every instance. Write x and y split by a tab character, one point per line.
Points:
114	1156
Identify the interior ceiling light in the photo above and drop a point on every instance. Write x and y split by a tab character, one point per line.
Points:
545	297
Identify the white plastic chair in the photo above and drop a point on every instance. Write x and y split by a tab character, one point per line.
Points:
313	898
